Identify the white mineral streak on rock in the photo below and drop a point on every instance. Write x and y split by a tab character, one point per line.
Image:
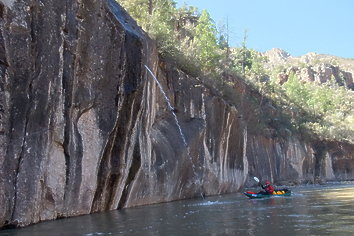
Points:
133	184
91	144
329	167
55	167
191	108
151	111
221	156
296	156
126	164
211	169
203	109
224	149
226	156
55	180
245	161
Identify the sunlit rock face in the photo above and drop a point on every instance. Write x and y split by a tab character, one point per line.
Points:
341	159
290	160
278	159
85	128
313	67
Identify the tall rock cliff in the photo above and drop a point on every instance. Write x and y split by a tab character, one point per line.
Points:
85	127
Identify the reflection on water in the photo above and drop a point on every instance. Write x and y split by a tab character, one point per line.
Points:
311	210
340	194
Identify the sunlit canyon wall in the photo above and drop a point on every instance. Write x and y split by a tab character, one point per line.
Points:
84	127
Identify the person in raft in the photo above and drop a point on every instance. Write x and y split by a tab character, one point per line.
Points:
268	188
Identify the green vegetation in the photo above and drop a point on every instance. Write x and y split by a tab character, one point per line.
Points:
291	106
329	107
184	34
205	42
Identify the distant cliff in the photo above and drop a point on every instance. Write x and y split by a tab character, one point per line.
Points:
84	127
312	67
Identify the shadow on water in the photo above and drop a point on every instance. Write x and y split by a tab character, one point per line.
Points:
311	210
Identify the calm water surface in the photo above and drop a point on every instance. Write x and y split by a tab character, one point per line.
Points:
311	210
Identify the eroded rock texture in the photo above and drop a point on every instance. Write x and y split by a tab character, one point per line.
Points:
71	97
85	128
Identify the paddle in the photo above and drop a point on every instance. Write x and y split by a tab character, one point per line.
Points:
258	181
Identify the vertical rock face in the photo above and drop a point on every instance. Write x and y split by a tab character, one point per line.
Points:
71	93
84	128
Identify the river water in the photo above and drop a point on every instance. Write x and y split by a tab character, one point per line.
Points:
311	210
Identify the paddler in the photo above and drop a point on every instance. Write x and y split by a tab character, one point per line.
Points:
268	188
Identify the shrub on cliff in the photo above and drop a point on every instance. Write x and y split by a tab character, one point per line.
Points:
184	34
328	108
190	39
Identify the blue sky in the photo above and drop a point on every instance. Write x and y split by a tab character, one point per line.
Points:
298	27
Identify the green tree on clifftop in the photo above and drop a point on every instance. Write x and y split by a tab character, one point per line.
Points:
155	16
206	42
192	40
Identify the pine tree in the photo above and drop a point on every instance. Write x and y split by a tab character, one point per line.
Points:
205	41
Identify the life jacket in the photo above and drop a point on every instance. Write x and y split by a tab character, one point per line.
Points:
269	189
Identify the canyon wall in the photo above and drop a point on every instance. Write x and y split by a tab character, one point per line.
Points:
84	127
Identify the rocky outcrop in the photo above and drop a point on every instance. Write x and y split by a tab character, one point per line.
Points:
277	56
84	127
312	67
320	74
